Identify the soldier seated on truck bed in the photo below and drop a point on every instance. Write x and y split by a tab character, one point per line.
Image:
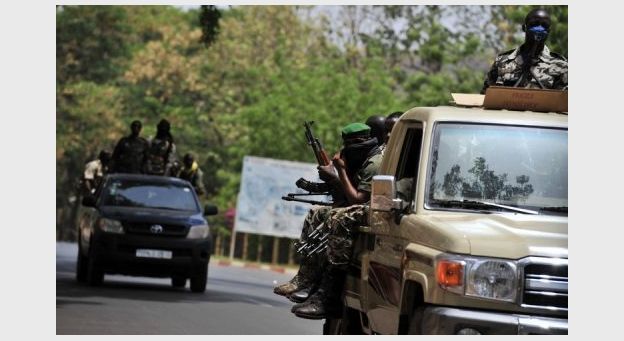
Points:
360	156
308	278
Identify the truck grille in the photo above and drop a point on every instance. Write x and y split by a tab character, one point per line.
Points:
546	284
166	230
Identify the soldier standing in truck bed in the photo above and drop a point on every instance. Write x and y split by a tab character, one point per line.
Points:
162	151
532	65
130	152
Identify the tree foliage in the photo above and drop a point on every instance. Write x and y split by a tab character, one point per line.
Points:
241	81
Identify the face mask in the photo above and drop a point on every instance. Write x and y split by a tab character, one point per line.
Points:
539	33
355	154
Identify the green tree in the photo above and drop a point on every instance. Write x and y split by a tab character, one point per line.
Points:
91	43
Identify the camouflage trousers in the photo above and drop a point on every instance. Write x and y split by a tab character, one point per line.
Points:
315	217
342	224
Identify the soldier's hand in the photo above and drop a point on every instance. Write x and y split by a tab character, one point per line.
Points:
327	173
338	162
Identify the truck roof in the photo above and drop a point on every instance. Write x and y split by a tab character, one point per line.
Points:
480	115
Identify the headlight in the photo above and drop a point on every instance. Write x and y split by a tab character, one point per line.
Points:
492	279
478	277
198	232
110	225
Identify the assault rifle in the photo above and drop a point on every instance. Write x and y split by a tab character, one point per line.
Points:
321	155
315	188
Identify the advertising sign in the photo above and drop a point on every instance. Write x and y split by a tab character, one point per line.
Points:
260	209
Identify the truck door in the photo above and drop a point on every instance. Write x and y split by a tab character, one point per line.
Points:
383	285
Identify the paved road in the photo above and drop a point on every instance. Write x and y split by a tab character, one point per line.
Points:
237	301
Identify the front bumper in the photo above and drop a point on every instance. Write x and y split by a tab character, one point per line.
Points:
444	320
116	253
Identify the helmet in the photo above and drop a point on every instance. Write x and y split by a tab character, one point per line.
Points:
378	129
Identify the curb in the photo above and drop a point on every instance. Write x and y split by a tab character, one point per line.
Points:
241	264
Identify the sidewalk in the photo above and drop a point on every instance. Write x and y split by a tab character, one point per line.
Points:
224	261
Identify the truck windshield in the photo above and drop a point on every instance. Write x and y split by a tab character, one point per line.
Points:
137	193
524	167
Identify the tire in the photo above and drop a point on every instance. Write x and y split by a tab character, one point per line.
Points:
349	324
82	266
178	282
198	280
332	327
415	326
95	274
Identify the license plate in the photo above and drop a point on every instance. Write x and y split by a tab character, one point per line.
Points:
147	253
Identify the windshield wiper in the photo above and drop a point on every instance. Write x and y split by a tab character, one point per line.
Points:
563	209
482	204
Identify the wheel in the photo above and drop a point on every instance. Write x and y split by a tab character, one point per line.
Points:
349	324
415	326
95	274
82	265
198	280
178	282
332	327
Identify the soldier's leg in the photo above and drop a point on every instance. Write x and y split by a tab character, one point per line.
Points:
309	266
342	224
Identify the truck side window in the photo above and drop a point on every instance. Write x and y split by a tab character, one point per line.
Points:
407	169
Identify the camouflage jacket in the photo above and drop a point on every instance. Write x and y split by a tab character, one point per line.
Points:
370	168
550	70
129	155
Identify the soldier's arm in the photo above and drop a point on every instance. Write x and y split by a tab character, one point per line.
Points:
354	196
490	77
562	80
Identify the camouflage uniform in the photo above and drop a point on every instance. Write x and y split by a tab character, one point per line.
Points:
129	155
341	224
310	267
342	221
550	70
160	156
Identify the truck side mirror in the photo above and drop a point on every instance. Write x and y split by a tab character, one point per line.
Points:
384	197
210	210
383	194
88	201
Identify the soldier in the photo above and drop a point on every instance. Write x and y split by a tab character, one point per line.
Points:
361	157
378	128
193	174
308	277
391	120
532	65
130	152
162	150
95	171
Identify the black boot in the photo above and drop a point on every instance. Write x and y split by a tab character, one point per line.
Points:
326	301
303	294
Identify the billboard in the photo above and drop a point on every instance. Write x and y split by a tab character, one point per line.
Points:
260	209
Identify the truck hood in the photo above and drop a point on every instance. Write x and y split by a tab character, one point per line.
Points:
503	235
135	214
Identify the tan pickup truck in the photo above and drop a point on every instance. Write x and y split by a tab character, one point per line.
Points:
468	228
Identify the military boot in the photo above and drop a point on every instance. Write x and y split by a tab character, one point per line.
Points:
302	279
312	283
326	301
